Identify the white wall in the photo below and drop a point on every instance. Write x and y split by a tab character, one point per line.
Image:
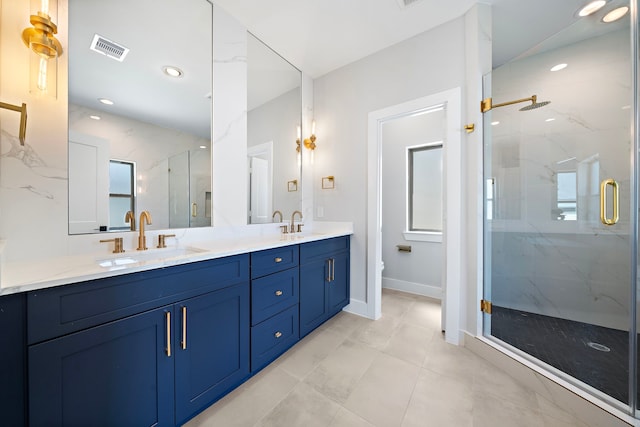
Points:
428	63
418	271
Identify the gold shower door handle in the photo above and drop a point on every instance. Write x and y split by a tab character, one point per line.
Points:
194	210
603	202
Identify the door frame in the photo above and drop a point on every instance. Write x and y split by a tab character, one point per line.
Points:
452	282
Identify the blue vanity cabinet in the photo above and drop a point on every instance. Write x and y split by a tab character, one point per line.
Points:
275	280
13	374
186	347
324	281
117	374
211	348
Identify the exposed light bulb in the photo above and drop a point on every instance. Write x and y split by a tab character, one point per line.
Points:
42	75
44	7
313	127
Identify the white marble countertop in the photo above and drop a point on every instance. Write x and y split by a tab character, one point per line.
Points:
21	276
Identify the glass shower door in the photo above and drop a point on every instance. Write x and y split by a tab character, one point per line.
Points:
559	224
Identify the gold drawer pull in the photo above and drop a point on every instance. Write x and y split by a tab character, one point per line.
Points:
278	293
278	334
278	259
183	342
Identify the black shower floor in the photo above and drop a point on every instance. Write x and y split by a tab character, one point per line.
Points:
564	344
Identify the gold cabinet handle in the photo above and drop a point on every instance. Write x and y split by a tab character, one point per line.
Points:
603	202
333	269
278	259
167	316
329	270
277	334
278	293
183	341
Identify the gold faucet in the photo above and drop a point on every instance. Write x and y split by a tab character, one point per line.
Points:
142	239
274	215
131	219
293	215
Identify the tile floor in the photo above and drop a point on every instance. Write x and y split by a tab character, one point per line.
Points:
396	371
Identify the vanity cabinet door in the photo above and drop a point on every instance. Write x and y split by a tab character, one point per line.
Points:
117	374
211	348
339	284
12	360
324	281
314	304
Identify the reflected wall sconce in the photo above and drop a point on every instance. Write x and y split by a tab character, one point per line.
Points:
41	40
328	182
298	136
310	142
23	118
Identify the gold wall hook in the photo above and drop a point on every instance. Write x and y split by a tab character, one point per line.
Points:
23	118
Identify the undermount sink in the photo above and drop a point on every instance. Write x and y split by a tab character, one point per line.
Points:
136	257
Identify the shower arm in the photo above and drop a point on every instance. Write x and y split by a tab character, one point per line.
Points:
487	104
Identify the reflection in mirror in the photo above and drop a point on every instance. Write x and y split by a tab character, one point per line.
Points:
274	115
158	122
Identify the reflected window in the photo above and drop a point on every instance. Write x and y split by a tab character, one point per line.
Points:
424	167
121	193
566	196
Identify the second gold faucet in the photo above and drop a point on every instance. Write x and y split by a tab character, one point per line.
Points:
142	239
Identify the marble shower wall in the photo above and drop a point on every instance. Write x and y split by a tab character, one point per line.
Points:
575	269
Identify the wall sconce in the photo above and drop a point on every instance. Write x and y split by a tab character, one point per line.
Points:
41	40
328	182
310	142
23	118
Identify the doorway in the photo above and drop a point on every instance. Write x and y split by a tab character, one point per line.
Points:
452	213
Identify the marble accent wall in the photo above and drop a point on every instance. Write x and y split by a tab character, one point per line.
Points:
229	120
577	268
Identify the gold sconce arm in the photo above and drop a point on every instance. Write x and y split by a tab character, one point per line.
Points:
23	118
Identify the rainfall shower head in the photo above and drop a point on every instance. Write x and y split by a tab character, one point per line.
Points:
487	104
535	104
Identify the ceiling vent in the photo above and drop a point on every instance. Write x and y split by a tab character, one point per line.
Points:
406	3
109	48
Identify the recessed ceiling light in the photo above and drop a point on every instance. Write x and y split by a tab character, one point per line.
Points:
558	67
203	146
615	14
592	7
550	120
172	71
626	107
94	117
105	101
495	123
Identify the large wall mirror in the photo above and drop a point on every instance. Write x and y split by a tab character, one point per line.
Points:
150	147
139	113
274	103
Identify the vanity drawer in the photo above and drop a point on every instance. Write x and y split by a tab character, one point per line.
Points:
323	248
273	337
273	260
62	310
272	294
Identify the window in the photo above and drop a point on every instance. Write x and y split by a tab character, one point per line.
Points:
566	196
121	192
424	179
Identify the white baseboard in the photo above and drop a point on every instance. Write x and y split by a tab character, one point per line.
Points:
413	288
357	307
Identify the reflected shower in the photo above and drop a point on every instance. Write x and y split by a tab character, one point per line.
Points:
486	104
